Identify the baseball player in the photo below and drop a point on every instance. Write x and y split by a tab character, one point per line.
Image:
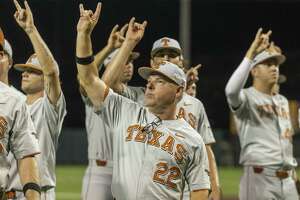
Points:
189	108
264	125
45	100
17	136
6	64
153	152
98	175
192	90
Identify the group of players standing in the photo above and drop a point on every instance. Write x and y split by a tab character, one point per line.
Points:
150	142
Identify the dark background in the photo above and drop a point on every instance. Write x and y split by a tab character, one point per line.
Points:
221	33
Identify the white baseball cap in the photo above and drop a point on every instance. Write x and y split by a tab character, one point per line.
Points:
108	59
166	69
166	43
31	64
265	55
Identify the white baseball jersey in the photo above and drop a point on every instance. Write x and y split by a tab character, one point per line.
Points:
265	130
189	108
47	120
136	94
16	131
100	145
152	162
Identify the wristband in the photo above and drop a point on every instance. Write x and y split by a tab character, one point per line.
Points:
31	186
85	60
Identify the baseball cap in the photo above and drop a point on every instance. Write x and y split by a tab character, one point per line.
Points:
31	64
166	69
133	56
4	44
166	43
265	55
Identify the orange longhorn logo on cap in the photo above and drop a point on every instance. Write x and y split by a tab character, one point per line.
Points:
165	42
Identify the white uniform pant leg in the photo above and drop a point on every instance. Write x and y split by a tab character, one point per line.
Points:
255	186
97	183
289	189
48	195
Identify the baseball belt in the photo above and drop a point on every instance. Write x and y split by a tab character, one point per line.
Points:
279	173
101	163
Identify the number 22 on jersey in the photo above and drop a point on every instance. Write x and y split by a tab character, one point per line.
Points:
166	175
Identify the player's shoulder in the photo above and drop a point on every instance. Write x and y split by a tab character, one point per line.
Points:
189	100
282	98
189	133
9	95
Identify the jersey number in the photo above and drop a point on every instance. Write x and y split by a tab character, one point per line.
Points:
165	175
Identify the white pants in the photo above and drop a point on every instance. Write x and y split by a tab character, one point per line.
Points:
96	183
48	195
254	186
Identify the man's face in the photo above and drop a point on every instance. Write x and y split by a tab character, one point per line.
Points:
266	72
32	81
4	61
160	92
191	90
167	55
127	72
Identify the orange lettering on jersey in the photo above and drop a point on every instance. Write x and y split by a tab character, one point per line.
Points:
192	120
154	141
174	175
141	136
181	113
180	153
168	145
3	126
130	131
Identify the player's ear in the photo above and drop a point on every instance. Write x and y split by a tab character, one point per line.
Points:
151	62
254	72
179	93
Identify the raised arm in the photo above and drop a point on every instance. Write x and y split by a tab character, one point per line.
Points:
238	79
114	71
87	71
50	68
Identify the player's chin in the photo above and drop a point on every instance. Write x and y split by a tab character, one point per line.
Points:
148	102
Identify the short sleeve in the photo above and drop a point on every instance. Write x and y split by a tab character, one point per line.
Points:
23	140
197	174
204	127
116	110
55	114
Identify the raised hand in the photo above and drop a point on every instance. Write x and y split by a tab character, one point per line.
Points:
135	31
116	37
24	17
274	48
88	19
260	43
192	74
